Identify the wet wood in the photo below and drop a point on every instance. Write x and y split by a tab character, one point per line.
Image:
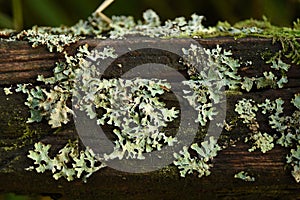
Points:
20	63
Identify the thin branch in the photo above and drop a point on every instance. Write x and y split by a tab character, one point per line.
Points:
101	8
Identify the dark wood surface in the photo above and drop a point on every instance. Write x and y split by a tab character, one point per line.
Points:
20	63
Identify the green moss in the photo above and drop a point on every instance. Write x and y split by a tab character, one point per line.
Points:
25	139
167	172
262	29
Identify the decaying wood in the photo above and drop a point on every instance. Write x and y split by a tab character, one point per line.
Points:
20	63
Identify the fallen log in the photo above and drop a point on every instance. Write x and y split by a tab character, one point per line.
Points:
20	63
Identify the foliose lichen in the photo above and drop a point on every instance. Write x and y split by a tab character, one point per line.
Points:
40	36
244	176
286	127
142	106
134	109
69	163
261	141
294	160
201	163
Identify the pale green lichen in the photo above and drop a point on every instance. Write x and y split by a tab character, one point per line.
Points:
246	109
152	26
7	91
187	163
294	160
211	72
69	163
264	142
244	176
134	109
294	157
296	101
54	42
288	126
247	84
50	102
216	66
56	39
127	103
63	80
220	70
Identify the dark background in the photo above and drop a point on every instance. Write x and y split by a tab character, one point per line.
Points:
68	12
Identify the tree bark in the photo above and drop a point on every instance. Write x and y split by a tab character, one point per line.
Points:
20	63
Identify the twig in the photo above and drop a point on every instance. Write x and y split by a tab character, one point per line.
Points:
102	7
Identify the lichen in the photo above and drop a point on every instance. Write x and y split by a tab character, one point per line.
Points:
187	163
294	160
244	176
286	127
134	109
7	91
54	42
69	163
246	109
50	101
127	103
142	107
264	142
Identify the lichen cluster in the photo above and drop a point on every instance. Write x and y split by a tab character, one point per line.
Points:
201	163
69	163
134	107
286	127
55	39
244	176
